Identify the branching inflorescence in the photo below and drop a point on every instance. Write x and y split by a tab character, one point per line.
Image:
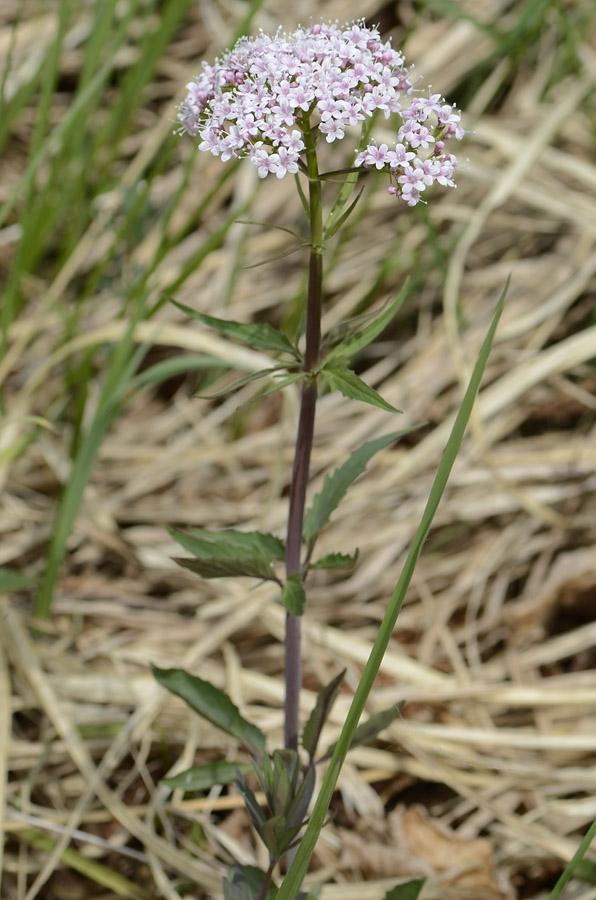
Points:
261	96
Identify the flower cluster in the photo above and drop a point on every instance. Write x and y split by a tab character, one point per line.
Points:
262	96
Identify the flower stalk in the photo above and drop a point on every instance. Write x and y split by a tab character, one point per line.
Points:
304	439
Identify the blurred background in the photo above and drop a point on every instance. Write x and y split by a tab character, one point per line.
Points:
106	437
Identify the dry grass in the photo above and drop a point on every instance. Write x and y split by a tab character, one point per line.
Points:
488	781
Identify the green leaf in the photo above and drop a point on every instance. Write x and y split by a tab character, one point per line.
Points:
213	705
293	596
11	580
342	379
246	883
336	561
357	342
302	798
336	485
201	778
323	706
216	567
289	379
408	890
241	382
373	726
261	336
228	553
334	224
255	813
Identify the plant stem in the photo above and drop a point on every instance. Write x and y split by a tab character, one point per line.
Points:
267	880
304	440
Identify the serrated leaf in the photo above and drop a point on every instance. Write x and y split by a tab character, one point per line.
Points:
201	778
228	553
213	705
361	339
258	567
409	890
293	596
336	485
336	561
246	883
367	731
334	224
323	706
261	336
11	580
342	379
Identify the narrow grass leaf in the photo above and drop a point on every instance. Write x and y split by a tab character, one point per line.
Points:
323	706
342	379
577	864
261	336
356	342
335	486
201	778
295	875
105	877
213	705
293	596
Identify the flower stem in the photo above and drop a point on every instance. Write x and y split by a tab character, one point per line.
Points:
304	440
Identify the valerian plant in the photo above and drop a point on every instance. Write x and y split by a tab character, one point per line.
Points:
273	100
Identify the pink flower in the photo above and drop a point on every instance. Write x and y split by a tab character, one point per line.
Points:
263	96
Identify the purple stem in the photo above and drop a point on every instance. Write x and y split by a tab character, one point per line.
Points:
300	470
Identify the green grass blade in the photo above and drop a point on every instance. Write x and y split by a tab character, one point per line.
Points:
291	884
574	863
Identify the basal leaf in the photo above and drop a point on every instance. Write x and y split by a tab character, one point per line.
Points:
324	703
409	890
201	778
261	336
342	379
356	342
367	731
336	485
293	596
336	561
213	705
